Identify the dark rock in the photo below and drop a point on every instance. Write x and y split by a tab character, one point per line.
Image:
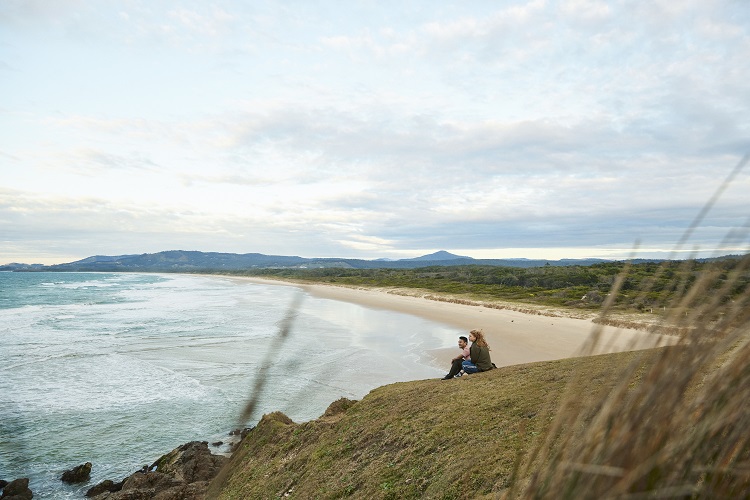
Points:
17	490
241	432
192	491
77	474
3	483
217	443
182	474
191	462
155	481
104	486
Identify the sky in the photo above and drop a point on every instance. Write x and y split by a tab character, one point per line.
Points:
373	129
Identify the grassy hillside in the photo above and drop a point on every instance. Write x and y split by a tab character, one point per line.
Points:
432	438
473	437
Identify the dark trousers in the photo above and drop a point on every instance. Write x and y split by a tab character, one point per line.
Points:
455	368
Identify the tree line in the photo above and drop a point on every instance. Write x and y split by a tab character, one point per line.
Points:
644	285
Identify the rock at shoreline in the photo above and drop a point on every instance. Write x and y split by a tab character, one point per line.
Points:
182	474
77	474
105	486
17	490
191	462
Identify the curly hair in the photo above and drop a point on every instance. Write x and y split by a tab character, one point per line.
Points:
479	336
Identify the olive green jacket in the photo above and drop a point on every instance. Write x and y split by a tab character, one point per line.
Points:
480	356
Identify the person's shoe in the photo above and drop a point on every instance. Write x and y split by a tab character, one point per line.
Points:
459	373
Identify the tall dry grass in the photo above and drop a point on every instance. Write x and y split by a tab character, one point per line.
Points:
677	424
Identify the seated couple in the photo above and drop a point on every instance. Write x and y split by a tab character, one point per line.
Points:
472	359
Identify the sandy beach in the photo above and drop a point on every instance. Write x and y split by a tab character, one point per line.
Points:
515	337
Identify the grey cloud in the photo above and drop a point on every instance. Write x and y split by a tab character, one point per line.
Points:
585	230
91	162
43	227
420	163
393	142
628	118
137	128
26	11
9	156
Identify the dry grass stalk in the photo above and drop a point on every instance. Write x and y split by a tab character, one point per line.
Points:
675	426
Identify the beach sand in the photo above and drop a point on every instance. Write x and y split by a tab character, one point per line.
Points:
514	337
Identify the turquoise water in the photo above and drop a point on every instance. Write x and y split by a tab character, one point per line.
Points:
118	369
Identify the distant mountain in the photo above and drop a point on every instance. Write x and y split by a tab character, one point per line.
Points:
15	266
194	261
103	258
179	260
440	255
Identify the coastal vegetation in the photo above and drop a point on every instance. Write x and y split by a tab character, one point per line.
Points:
647	286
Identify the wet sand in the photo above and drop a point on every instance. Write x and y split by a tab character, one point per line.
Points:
515	337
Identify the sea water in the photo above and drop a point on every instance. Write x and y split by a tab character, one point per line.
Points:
118	369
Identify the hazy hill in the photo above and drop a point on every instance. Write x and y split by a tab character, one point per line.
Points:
194	261
440	255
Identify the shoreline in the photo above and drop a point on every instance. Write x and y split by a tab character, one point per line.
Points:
515	335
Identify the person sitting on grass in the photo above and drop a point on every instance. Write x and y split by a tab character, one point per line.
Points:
455	371
480	354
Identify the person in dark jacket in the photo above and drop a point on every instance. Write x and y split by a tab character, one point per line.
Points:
480	354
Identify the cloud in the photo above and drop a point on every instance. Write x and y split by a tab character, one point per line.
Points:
351	129
92	162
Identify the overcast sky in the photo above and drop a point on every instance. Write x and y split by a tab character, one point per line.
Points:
371	129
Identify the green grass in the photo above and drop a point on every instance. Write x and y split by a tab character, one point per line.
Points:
427	439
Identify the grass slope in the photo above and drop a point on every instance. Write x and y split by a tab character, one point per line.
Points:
459	438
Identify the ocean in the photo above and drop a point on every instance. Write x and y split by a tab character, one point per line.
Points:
118	369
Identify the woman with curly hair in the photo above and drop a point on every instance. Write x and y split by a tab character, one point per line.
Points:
480	354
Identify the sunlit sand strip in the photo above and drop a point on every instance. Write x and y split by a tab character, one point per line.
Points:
515	337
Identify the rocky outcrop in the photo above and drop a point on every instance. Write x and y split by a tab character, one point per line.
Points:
17	490
191	462
106	486
78	474
182	474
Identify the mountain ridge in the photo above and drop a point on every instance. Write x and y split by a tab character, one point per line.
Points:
197	261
